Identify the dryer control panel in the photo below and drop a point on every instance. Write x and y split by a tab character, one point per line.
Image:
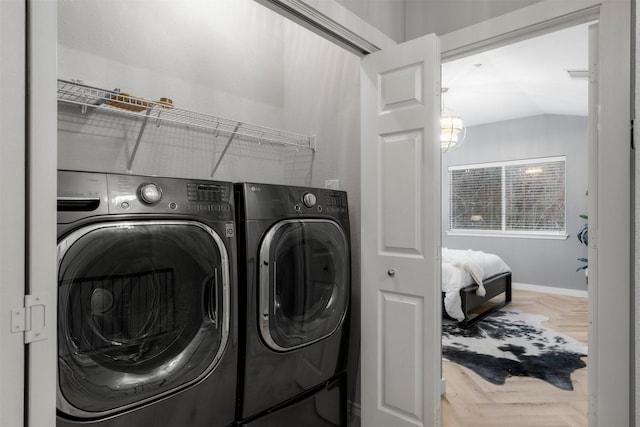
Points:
336	202
268	201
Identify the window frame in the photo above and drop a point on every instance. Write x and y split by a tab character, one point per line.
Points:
503	232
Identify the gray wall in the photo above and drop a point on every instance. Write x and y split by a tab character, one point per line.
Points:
541	262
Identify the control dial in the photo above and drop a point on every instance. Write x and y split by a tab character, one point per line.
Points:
309	200
150	193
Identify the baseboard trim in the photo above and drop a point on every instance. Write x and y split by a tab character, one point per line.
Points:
550	290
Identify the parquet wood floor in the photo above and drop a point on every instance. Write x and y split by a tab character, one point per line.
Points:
472	401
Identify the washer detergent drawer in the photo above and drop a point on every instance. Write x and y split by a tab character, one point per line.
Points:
143	312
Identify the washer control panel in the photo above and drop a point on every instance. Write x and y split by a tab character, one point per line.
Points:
211	197
150	193
208	192
309	200
336	202
83	194
144	194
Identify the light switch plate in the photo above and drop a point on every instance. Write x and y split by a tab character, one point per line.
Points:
332	184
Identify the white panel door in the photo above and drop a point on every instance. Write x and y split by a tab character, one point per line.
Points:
401	296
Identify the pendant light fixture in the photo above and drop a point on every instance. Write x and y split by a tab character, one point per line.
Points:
452	128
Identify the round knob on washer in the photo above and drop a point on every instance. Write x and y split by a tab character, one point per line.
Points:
309	200
150	193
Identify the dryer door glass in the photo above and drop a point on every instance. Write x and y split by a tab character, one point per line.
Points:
304	282
143	312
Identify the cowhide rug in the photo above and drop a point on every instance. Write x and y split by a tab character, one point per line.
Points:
511	343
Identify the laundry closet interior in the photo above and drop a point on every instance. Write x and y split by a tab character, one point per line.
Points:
206	123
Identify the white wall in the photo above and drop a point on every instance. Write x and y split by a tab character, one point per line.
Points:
444	16
385	15
222	58
230	58
404	20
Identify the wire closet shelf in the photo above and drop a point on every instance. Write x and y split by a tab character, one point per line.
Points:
163	111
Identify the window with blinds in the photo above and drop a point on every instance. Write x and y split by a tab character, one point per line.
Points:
524	196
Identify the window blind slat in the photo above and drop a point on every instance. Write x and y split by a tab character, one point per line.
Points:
534	196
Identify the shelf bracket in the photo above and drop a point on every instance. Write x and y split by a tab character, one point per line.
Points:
226	147
137	144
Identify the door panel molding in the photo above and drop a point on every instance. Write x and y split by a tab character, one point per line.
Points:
402	338
401	177
400	246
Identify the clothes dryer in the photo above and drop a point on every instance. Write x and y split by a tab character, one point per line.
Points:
146	301
295	284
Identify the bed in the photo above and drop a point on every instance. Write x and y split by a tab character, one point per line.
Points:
469	280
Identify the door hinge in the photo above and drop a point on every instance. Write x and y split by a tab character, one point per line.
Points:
31	319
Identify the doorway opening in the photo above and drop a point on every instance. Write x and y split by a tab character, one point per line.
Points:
524	104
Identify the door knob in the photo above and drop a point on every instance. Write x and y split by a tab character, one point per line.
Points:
391	272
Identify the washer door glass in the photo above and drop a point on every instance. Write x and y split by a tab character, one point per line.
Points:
304	282
143	311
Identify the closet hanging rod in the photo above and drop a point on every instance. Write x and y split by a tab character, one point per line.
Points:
116	102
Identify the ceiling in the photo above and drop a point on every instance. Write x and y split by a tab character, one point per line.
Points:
523	79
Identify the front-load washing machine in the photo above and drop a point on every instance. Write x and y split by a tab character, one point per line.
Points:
294	286
146	301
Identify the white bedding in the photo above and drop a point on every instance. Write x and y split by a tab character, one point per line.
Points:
461	268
